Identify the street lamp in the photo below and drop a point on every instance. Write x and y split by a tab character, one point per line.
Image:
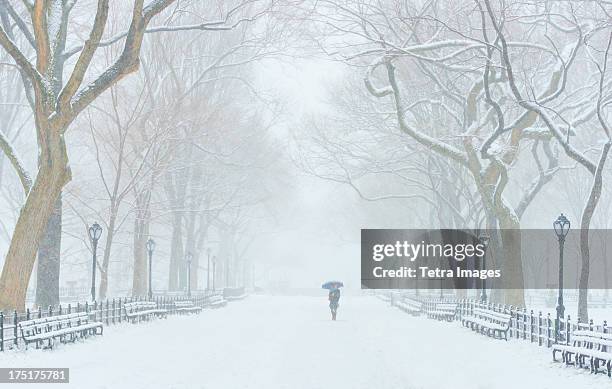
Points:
150	248
484	241
208	250
94	231
561	226
189	257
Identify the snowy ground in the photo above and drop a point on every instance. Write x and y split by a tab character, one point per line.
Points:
289	342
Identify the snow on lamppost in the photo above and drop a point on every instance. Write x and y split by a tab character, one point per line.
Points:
484	241
188	258
94	231
561	226
150	248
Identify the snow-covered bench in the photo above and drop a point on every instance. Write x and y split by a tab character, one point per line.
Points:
488	322
216	301
186	306
66	328
410	306
140	310
443	311
591	345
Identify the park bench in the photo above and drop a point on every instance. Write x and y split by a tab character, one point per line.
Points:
66	328
410	306
443	311
488	322
215	301
186	306
591	345
143	310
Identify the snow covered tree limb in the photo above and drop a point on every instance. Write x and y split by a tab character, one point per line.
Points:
84	60
154	8
436	145
5	5
16	162
127	62
557	133
24	64
367	79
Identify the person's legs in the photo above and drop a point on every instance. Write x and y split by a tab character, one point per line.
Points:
334	310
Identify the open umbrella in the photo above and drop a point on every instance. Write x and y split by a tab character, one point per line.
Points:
332	285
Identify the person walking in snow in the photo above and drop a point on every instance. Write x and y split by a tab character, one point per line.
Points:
334	298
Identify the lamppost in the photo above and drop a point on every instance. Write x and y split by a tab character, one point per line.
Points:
189	257
484	241
150	248
208	250
94	231
561	226
214	260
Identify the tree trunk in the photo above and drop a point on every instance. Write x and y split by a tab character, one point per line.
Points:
48	269
190	247
52	176
176	251
585	223
512	265
103	290
140	277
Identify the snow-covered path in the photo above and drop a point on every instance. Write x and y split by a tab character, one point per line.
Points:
289	342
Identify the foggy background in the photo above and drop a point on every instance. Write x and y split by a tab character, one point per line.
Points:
264	143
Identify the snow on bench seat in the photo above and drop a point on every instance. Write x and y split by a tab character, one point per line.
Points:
596	347
443	311
488	322
140	310
50	328
186	306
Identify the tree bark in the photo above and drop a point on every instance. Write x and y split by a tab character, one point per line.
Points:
176	250
585	223
103	290
140	277
19	263
48	269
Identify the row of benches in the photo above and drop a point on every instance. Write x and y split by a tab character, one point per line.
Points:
70	327
441	311
483	320
488	322
587	349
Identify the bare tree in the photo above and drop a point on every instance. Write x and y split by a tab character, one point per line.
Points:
554	108
57	102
